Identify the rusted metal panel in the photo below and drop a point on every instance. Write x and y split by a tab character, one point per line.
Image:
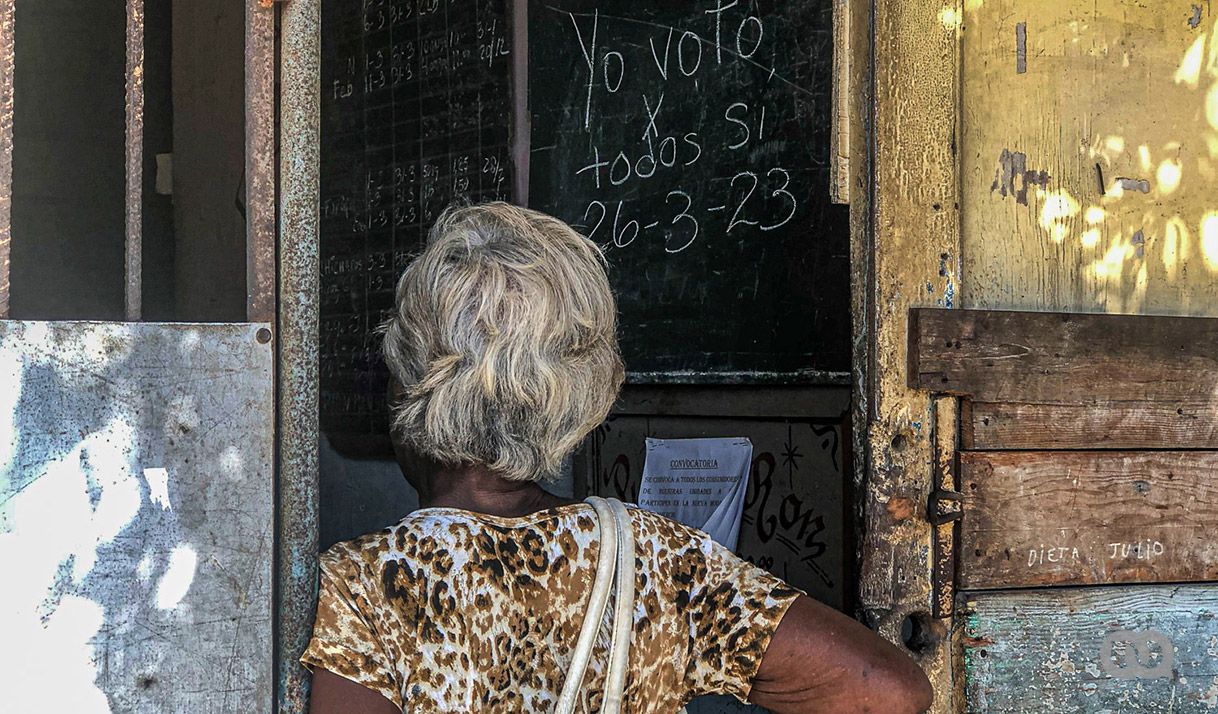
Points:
1103	118
260	161
136	514
1077	651
1088	517
300	95
133	259
913	253
7	50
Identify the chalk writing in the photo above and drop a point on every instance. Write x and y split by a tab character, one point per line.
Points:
1051	554
415	108
1141	550
690	142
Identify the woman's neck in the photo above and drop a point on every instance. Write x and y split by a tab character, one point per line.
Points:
478	489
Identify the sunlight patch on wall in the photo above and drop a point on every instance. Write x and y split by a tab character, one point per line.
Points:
179	574
950	17
1112	264
1175	246
1168	176
1209	240
1211	106
1059	207
1189	72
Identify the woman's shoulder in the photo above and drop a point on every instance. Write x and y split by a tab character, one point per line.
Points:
671	534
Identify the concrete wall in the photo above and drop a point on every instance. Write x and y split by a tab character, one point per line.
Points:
361	495
68	161
209	158
68	152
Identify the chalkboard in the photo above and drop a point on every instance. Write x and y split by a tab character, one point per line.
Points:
691	141
416	102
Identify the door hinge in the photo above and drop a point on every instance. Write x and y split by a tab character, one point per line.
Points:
945	507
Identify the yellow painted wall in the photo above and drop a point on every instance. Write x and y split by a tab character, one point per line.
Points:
1112	90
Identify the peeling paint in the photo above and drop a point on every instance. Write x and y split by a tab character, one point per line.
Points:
1194	20
1012	177
1133	184
1021	48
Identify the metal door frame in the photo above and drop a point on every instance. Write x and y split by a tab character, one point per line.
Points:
299	143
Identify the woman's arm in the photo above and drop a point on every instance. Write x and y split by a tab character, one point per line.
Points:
333	694
821	660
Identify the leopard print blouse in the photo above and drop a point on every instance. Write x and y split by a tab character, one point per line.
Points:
453	611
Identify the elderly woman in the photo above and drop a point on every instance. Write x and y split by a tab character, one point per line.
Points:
504	356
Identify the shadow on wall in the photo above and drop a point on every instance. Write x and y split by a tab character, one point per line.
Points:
358	495
135	517
362	495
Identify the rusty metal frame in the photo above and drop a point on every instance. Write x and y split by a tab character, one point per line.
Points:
7	51
296	526
134	147
260	161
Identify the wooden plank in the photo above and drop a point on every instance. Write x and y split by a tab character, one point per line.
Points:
1064	358
1191	424
1084	517
1123	649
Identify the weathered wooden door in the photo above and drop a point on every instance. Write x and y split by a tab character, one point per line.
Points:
1042	441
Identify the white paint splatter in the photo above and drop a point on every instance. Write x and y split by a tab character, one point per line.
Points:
230	463
1210	696
144	569
177	578
158	487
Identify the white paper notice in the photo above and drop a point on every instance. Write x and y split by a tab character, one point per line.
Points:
698	482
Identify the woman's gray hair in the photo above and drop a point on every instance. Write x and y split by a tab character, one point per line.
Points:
504	339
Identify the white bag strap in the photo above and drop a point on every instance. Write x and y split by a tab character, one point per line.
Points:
614	565
623	611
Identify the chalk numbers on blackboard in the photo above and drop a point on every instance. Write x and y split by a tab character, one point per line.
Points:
748	200
748	195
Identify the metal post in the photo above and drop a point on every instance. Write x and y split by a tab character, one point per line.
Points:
260	161
296	526
133	266
7	49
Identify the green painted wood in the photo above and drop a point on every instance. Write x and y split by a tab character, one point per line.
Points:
1141	648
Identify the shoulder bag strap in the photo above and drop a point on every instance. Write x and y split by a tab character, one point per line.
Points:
623	610
597	602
